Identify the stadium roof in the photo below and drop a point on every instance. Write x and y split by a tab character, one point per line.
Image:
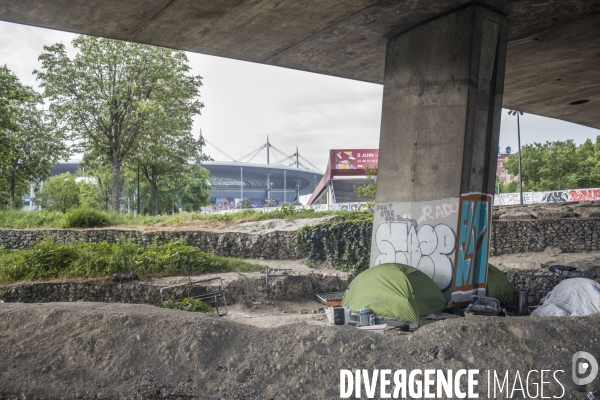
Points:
255	176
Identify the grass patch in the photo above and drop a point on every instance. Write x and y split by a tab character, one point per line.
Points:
19	219
50	260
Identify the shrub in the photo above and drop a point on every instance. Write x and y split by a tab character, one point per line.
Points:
188	304
49	260
85	218
344	244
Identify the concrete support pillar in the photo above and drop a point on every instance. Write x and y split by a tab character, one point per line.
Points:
440	127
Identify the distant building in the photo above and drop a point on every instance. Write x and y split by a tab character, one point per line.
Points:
345	171
502	173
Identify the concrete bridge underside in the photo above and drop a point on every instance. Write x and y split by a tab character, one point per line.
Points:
553	55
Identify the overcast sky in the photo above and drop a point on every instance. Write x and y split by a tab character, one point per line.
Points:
245	102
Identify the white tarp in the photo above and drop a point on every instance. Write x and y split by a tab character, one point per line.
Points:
571	297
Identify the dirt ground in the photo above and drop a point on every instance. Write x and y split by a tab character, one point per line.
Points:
229	226
551	256
120	351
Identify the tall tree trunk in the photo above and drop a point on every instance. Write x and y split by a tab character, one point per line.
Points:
12	191
153	198
116	185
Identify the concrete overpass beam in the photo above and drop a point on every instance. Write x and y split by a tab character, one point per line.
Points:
438	148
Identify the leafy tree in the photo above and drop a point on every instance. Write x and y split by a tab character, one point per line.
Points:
31	145
245	203
369	189
557	165
163	161
194	189
59	193
510	187
115	96
12	94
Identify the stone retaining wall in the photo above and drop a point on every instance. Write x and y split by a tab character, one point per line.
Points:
569	235
277	245
540	283
244	289
508	236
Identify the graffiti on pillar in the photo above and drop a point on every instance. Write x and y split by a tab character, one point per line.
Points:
584	194
473	240
440	211
555	197
426	247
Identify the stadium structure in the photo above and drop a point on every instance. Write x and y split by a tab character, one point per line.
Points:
270	184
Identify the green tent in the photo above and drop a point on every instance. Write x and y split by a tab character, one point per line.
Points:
498	285
395	291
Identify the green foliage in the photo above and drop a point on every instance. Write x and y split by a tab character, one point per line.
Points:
19	219
343	244
122	102
271	203
29	144
369	189
50	260
557	165
85	218
188	304
244	204
511	187
59	193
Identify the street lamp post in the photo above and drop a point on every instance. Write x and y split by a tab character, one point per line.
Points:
518	113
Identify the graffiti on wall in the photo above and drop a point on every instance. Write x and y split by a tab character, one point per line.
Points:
556	196
426	247
584	195
473	240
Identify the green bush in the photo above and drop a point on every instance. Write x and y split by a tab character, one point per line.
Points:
85	218
188	304
51	260
344	244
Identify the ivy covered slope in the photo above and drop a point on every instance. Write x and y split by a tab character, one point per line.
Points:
344	243
51	260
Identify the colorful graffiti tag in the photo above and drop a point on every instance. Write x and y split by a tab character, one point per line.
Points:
471	257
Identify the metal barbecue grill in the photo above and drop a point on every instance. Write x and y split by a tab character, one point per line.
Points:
330	299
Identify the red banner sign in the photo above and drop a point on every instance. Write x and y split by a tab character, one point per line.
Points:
355	159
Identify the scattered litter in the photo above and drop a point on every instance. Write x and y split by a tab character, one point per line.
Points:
379	329
338	315
433	352
124	276
364	317
256	302
247	316
561	269
484	306
594	394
